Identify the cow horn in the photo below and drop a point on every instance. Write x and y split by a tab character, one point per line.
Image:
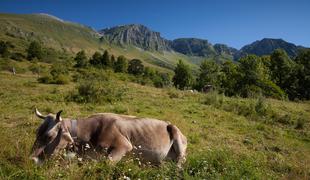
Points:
58	118
39	114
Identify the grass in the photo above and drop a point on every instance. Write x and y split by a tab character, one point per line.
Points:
229	138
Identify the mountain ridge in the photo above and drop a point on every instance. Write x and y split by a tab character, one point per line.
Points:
266	46
61	34
141	36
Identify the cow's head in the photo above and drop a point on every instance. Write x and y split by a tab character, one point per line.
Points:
52	135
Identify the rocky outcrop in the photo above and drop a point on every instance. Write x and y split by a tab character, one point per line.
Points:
222	49
136	35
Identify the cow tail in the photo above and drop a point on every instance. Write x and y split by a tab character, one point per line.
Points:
177	143
173	131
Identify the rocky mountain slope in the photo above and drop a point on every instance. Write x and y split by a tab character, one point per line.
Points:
193	47
144	38
136	35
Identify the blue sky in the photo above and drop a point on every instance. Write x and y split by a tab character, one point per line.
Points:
232	22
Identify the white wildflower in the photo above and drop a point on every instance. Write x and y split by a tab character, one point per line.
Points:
127	178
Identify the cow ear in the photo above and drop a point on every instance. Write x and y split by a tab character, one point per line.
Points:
68	137
39	114
58	118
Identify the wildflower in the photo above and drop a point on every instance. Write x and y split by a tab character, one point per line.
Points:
127	178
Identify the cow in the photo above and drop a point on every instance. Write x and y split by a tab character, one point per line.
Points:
116	135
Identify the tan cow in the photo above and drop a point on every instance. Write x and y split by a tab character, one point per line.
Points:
154	140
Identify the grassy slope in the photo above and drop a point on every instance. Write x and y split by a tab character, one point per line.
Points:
223	140
21	29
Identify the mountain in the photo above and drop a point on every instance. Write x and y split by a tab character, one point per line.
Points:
142	37
224	49
266	46
136	35
193	47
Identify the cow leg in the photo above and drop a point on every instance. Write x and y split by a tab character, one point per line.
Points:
119	149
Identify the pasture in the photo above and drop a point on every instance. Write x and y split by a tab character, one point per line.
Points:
229	138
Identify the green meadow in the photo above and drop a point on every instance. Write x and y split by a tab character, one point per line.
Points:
228	137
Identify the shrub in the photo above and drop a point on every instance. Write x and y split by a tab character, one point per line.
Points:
284	119
213	98
34	51
17	56
301	121
261	106
91	73
161	80
62	79
46	79
173	93
58	74
4	49
93	91
270	89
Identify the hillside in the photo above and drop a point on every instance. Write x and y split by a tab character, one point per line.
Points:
61	35
70	37
229	138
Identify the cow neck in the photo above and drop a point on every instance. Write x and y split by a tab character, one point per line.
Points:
73	129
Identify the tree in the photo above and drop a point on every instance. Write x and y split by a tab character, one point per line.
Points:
135	67
303	75
209	75
34	51
121	64
95	60
80	59
229	79
105	60
254	80
161	80
182	77
4	49
281	67
113	61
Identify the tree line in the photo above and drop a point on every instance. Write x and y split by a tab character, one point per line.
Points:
122	65
277	76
